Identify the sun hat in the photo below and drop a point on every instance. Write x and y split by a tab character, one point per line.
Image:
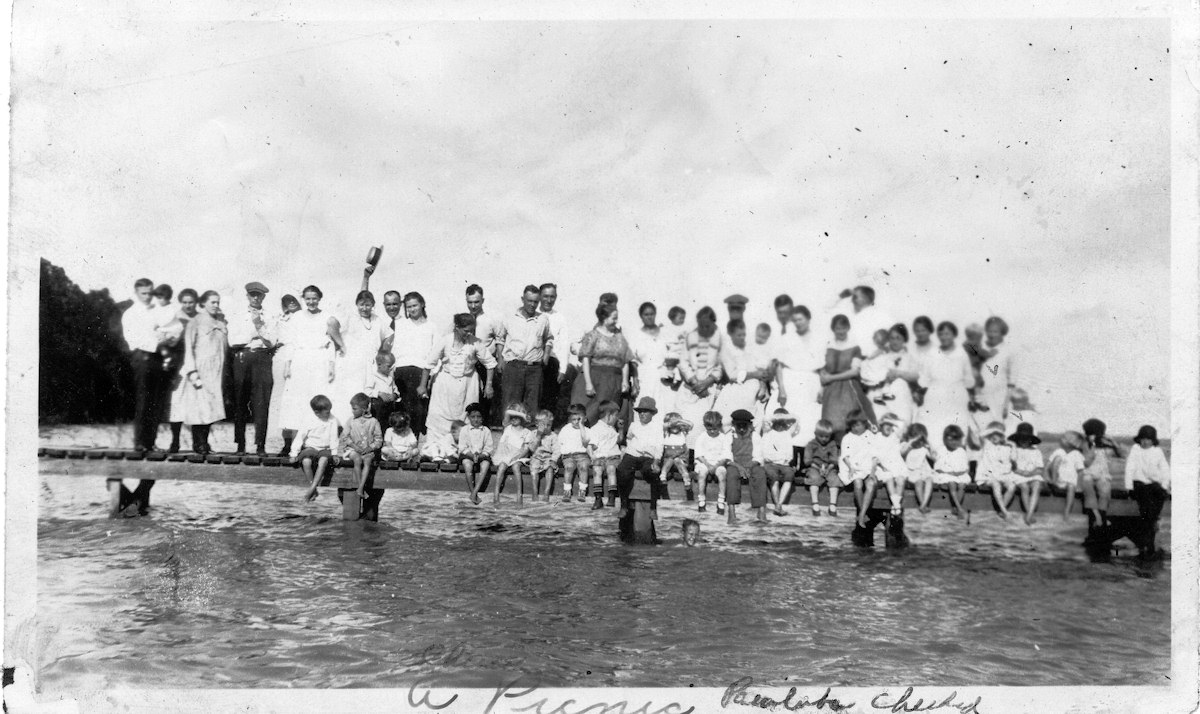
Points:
994	427
782	415
646	404
1147	432
675	420
741	415
518	410
1094	427
1024	434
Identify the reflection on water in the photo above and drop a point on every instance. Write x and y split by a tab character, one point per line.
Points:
201	594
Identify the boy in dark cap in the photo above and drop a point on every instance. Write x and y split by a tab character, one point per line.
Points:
746	467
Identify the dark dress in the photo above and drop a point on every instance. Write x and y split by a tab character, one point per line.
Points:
608	354
840	398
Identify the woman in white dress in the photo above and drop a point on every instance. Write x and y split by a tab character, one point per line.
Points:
651	347
457	384
999	373
743	388
946	377
308	370
206	341
921	349
800	356
187	310
701	370
902	374
362	336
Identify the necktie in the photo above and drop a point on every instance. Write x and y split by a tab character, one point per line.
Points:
393	324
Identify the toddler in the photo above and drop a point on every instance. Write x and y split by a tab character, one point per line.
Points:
169	329
605	453
380	387
951	468
919	463
891	469
778	457
573	441
516	443
857	459
475	449
675	336
821	456
361	440
712	455
995	467
1148	474
978	354
675	431
399	443
316	440
873	372
546	452
1028	467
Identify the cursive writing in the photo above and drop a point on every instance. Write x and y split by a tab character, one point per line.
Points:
737	693
905	703
424	700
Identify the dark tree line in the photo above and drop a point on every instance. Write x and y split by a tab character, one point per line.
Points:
84	375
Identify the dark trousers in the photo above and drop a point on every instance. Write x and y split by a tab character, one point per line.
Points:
627	471
493	411
1150	499
407	381
252	384
757	476
149	384
522	383
557	397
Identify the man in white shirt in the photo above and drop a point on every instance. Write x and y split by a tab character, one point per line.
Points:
251	343
556	386
643	453
524	340
139	325
485	330
867	318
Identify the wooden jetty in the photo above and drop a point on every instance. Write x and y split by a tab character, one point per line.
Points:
117	464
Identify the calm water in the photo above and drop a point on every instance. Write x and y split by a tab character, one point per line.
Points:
203	594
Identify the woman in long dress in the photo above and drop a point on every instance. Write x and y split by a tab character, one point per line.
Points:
308	370
604	358
999	370
651	348
902	375
800	357
701	370
743	388
921	350
946	377
206	340
179	386
457	384
843	392
362	337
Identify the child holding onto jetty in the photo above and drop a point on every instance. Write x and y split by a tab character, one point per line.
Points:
399	442
891	470
1028	467
543	463
675	431
475	449
951	468
778	455
920	464
995	466
605	453
573	441
515	444
712	455
857	459
821	456
1147	473
316	441
361	440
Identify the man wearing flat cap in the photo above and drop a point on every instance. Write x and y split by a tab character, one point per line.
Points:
736	305
250	342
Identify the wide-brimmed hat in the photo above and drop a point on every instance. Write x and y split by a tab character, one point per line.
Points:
646	404
675	420
518	411
782	415
892	419
1094	427
741	415
1024	434
994	427
1147	432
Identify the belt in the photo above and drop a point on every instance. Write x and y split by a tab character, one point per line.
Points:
527	364
239	350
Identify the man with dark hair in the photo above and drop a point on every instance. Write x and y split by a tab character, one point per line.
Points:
556	389
485	331
251	343
139	325
783	312
867	318
524	338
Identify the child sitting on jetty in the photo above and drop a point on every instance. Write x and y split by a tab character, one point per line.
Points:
399	443
712	455
821	456
1147	473
316	440
360	440
1028	467
573	441
1096	481
380	387
746	466
777	457
1066	464
857	459
920	464
995	466
605	453
951	468
890	467
444	449
543	464
475	449
515	444
674	458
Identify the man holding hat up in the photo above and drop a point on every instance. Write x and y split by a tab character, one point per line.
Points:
251	343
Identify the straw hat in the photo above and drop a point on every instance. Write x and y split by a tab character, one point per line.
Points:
675	420
993	428
518	410
1024	434
782	415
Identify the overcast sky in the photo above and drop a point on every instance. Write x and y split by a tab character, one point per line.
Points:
962	168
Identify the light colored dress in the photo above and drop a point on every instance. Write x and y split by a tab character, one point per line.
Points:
995	386
800	357
897	394
995	464
739	392
206	340
179	385
650	352
310	351
917	461
457	384
946	376
1027	460
362	340
701	360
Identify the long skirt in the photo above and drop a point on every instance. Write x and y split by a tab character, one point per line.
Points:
692	408
207	404
735	396
944	406
178	389
607	383
309	377
841	398
448	401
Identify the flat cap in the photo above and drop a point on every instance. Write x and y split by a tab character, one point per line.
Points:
736	299
256	287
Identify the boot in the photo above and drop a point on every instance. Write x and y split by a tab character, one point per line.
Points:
612	499
199	440
176	427
598	503
287	446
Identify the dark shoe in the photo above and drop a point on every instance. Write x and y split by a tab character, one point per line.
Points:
173	448
720	510
701	509
689	495
598	504
262	451
612	500
284	452
239	450
664	494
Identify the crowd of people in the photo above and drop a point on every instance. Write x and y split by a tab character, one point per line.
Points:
875	404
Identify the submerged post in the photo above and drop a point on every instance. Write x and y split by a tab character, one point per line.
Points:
637	527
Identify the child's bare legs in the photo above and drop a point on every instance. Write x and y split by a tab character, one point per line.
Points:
500	473
722	475
611	486
484	467
702	471
895	490
318	473
773	494
1070	501
834	492
785	490
864	490
957	491
306	465
1103	494
468	464
569	479
357	469
1030	493
998	498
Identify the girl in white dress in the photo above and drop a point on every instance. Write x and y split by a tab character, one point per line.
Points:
457	384
308	370
362	336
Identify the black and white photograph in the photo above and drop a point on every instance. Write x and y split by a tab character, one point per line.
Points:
600	357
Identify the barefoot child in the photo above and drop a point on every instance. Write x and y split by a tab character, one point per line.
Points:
891	470
316	440
573	441
399	443
777	457
360	440
444	449
746	467
920	464
821	456
712	455
1066	464
675	431
951	468
543	463
1096	482
1028	467
605	453
516	443
857	459
995	466
475	449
